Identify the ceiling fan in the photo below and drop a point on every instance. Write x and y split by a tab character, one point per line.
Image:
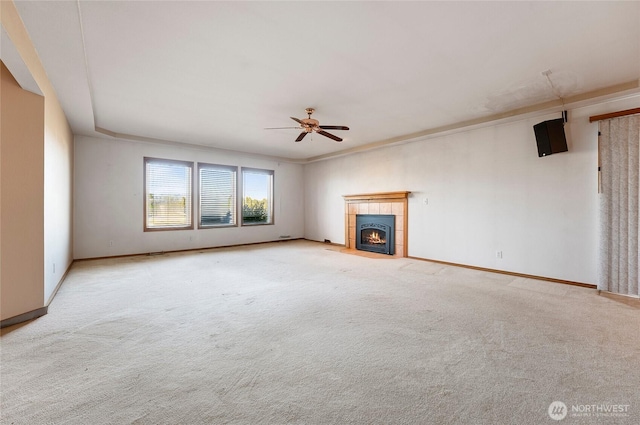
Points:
309	125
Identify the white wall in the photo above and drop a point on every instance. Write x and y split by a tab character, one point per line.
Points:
487	191
108	200
58	193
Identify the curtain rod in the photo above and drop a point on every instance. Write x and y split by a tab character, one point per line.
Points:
614	114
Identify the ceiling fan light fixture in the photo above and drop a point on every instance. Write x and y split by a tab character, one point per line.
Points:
311	125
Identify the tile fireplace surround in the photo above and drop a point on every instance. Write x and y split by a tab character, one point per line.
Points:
377	203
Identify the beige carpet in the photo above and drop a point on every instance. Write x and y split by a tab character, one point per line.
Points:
300	333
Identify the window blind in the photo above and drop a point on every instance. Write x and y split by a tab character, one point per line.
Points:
217	195
168	194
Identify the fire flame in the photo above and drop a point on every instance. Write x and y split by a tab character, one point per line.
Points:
374	238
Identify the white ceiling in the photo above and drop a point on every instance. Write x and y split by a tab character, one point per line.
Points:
217	73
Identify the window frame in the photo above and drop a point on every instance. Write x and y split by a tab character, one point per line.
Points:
205	165
270	198
149	160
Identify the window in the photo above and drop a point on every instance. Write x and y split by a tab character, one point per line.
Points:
217	195
167	194
257	196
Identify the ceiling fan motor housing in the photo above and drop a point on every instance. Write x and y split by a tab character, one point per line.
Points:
310	122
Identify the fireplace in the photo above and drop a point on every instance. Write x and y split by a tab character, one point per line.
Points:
375	233
377	203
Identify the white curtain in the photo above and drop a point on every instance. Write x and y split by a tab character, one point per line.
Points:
620	161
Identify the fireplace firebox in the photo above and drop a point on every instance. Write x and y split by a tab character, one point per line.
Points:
375	233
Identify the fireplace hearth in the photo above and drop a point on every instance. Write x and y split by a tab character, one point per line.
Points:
375	233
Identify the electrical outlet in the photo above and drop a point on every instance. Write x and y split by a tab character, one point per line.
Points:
110	243
499	254
54	268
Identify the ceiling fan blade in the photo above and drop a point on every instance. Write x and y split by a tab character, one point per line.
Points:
333	127
329	135
301	136
296	120
282	128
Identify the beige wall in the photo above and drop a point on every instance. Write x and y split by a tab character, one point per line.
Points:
482	197
108	218
22	194
55	172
